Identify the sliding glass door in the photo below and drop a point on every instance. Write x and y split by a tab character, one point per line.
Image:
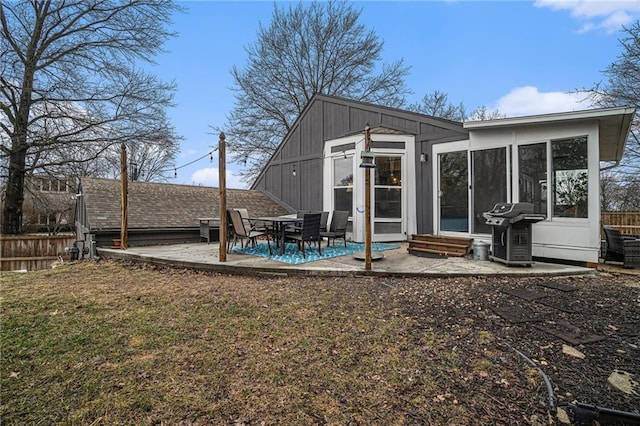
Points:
453	192
488	184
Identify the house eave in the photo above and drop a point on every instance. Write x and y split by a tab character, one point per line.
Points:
614	125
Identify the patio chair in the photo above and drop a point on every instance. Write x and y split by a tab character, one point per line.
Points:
296	227
231	234
337	228
324	218
308	233
251	224
623	248
242	233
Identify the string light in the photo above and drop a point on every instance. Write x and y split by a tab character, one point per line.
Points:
175	169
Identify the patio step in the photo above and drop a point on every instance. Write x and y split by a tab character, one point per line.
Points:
435	244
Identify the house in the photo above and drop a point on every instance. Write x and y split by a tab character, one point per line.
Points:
157	213
48	204
435	176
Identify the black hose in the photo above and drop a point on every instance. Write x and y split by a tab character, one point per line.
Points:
551	401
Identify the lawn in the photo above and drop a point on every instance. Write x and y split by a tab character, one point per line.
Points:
114	343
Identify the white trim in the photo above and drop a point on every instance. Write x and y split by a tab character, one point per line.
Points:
407	155
549	118
436	150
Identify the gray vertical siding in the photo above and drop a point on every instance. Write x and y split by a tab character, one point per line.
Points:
411	126
360	117
335	119
326	118
424	188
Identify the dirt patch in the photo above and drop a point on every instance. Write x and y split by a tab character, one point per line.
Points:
599	315
120	343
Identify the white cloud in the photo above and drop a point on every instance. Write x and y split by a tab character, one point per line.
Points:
209	177
528	100
189	153
597	14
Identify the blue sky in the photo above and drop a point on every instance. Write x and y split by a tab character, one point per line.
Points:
519	57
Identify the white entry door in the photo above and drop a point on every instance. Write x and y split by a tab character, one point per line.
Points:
388	198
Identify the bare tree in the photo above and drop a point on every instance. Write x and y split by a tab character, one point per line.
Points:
150	159
70	88
437	104
622	88
318	47
483	113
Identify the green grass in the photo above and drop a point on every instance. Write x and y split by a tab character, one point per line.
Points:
109	344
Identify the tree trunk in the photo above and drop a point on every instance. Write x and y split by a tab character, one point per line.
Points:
12	208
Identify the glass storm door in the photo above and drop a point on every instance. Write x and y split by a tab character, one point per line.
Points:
388	199
454	191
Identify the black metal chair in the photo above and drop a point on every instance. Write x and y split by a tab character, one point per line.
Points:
308	233
623	248
338	227
324	218
241	233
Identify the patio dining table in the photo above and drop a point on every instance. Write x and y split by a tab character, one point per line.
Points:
279	227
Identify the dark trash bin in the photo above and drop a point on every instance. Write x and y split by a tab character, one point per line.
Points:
73	252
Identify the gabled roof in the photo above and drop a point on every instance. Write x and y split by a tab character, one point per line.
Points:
614	125
449	126
441	122
160	205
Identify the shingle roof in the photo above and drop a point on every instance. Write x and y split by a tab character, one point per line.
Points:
159	205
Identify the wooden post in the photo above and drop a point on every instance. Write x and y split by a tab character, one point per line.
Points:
125	197
222	179
367	203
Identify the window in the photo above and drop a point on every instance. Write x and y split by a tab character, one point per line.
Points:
343	184
532	178
50	185
570	177
47	218
387	201
388	187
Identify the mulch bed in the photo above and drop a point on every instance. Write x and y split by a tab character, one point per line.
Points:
598	315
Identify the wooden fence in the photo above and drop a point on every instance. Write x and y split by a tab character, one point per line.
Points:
32	252
625	222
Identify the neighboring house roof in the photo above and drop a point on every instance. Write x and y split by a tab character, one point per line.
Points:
160	205
614	125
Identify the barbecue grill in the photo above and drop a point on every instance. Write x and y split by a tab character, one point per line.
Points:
511	232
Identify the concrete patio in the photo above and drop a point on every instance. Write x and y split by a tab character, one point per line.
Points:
396	262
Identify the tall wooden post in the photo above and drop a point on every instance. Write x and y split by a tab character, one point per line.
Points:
125	197
222	179
367	203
